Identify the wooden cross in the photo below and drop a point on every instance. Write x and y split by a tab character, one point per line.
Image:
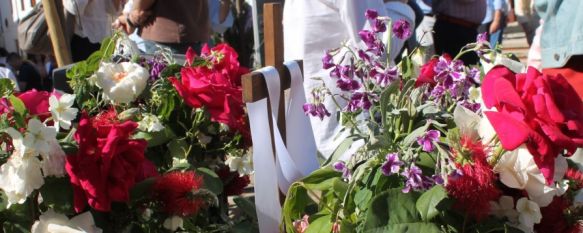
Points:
60	46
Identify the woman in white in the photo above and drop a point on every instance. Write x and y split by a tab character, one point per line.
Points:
312	27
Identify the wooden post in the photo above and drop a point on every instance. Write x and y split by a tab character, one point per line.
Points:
273	39
60	47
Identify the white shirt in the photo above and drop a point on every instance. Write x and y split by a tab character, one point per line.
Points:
93	18
7	73
310	28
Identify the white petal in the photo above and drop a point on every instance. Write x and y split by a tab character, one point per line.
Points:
53	103
67	100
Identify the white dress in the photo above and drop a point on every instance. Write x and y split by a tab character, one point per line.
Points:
310	28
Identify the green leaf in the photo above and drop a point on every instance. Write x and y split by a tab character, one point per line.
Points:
391	208
18	105
57	194
14	228
362	198
6	86
428	201
415	227
385	100
211	180
246	206
156	138
340	150
322	224
295	204
406	67
178	148
170	70
321	179
142	189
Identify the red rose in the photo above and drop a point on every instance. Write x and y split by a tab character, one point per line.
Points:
544	112
233	183
36	102
216	87
106	165
427	75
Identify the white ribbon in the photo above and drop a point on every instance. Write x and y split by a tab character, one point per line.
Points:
300	137
266	192
285	169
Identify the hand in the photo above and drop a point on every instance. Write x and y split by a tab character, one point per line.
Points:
139	17
495	26
121	23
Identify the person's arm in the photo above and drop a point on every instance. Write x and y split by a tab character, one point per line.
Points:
141	11
496	22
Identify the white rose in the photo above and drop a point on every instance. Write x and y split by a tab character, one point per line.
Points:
123	82
51	222
173	223
518	170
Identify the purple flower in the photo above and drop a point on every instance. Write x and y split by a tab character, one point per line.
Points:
402	29
347	84
426	141
360	100
362	55
437	179
414	178
327	61
368	37
340	166
392	165
379	26
373	44
371	14
437	92
474	107
316	108
386	77
482	38
474	75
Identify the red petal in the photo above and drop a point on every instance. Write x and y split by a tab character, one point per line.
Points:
512	133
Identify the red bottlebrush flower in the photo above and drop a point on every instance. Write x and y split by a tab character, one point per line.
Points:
475	187
108	117
233	183
178	193
554	218
576	176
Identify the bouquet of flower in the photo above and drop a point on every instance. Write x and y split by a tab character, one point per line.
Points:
142	145
441	154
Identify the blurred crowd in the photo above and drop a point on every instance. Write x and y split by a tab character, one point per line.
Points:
153	25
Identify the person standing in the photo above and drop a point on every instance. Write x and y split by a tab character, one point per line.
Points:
456	25
176	25
93	19
311	27
523	11
27	75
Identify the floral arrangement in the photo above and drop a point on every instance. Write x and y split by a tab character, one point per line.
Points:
447	148
141	145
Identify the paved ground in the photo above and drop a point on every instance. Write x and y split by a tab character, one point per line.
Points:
515	41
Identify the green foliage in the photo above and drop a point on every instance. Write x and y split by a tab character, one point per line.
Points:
428	201
57	194
6	86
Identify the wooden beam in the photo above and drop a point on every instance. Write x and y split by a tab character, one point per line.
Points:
60	47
